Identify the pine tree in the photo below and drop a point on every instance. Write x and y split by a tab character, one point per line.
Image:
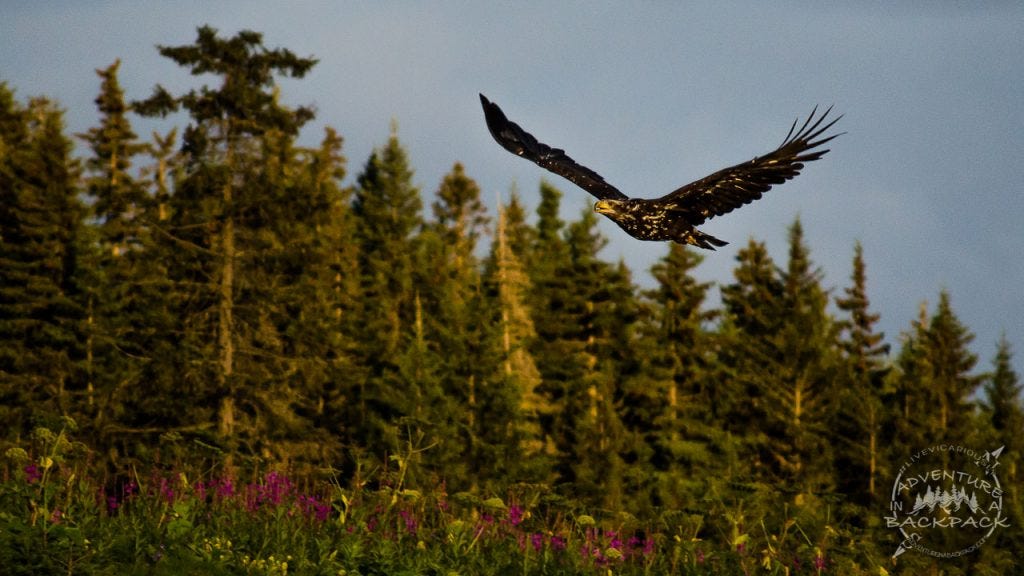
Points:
219	208
666	401
468	416
42	304
557	350
752	318
934	384
1004	409
126	284
598	307
807	346
863	419
517	373
329	289
387	210
779	353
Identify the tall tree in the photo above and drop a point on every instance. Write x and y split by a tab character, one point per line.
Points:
42	312
780	353
470	428
387	210
597	305
934	384
517	372
807	348
222	203
666	402
127	283
752	318
861	422
1004	408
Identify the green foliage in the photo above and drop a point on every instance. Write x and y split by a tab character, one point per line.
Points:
402	398
42	236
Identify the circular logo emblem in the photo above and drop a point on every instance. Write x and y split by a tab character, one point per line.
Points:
946	501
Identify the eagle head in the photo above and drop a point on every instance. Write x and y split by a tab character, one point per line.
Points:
608	207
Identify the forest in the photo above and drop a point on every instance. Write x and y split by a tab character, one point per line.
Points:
217	299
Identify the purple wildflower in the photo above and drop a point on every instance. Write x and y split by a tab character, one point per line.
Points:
276	487
819	562
557	543
225	488
167	490
515	514
410	521
199	489
32	473
537	540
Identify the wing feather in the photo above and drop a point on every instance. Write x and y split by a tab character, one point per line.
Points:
522	143
730	188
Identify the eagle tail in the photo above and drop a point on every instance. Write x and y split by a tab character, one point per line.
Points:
702	240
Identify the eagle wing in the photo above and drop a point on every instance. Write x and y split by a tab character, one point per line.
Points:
522	143
730	188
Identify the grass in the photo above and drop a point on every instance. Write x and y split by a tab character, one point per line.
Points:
57	519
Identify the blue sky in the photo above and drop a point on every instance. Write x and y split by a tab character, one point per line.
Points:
651	95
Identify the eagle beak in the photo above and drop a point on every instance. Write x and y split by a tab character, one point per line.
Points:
603	207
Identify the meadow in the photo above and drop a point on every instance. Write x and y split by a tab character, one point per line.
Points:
57	516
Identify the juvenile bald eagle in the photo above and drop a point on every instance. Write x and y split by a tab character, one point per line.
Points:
675	215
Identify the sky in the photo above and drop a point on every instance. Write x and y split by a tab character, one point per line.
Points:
929	176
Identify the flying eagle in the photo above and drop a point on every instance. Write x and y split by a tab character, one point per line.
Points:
676	215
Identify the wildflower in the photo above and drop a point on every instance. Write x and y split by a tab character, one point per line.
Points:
166	490
819	560
32	473
56	516
515	514
225	488
537	540
557	543
410	521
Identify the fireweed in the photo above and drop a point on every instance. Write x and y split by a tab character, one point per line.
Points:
56	517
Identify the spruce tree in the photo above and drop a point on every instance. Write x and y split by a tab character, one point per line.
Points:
469	417
951	363
517	374
126	285
1004	409
599	307
231	152
387	211
666	402
752	319
42	302
803	391
863	419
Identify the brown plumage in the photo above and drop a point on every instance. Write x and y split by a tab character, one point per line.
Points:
676	215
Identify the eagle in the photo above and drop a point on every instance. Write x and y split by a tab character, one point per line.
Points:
676	215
